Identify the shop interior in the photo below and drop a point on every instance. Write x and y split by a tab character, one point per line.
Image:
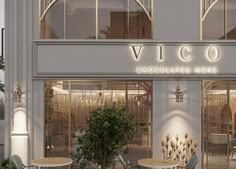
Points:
219	124
68	105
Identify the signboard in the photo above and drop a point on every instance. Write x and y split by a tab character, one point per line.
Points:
184	53
133	59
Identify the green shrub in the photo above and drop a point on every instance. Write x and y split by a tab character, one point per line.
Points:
109	130
7	164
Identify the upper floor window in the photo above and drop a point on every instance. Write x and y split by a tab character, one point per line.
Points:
95	19
218	19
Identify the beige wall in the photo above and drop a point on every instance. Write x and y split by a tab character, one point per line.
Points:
174	118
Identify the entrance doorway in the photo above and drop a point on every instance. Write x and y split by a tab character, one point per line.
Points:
219	124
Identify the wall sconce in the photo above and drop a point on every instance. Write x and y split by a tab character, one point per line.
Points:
17	94
179	95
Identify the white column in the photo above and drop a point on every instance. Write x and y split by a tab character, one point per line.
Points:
19	135
18	70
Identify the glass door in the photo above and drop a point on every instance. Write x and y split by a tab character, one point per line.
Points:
57	114
218	119
232	124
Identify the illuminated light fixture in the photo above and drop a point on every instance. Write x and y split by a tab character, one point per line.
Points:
179	95
17	94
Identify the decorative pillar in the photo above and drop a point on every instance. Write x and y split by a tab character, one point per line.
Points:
19	135
18	51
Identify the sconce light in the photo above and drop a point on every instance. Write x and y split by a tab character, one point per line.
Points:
17	94
179	95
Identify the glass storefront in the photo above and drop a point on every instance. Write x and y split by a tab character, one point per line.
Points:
219	124
68	105
218	19
95	19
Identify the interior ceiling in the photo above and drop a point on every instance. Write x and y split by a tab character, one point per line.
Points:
102	85
218	85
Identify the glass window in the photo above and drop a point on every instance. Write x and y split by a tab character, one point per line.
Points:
52	19
139	20
218	20
68	105
95	19
231	22
213	20
80	19
219	124
112	19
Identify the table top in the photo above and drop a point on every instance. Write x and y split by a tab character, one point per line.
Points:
52	162
158	163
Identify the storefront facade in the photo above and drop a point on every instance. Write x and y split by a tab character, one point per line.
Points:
170	63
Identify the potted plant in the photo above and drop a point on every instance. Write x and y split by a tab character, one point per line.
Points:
7	164
109	130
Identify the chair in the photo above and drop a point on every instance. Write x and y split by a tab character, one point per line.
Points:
233	147
18	162
192	163
126	164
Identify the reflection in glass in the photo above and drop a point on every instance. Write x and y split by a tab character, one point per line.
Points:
218	19
124	19
112	19
80	19
52	19
213	23
231	22
69	103
139	20
95	19
219	124
215	123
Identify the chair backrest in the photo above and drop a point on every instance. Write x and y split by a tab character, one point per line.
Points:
122	160
232	143
17	161
192	162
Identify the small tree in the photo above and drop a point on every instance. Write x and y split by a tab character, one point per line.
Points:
7	164
109	129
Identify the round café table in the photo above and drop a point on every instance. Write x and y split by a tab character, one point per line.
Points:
52	162
158	163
